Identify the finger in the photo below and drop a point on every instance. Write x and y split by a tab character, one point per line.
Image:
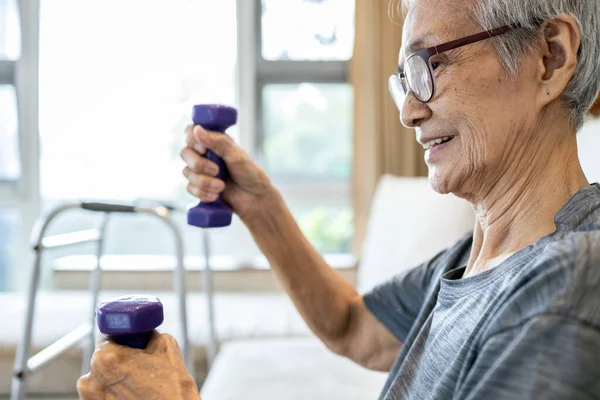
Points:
89	389
203	182
189	135
201	194
167	346
107	361
102	339
197	163
222	145
192	142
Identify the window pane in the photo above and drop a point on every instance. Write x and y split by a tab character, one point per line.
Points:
9	225
10	168
308	131
10	32
115	99
307	29
329	229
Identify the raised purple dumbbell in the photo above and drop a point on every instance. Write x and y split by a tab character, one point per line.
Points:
130	320
213	117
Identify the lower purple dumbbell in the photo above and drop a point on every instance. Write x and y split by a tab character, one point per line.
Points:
218	118
130	320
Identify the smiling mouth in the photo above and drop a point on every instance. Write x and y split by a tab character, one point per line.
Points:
436	142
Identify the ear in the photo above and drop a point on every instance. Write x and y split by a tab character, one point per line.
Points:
561	41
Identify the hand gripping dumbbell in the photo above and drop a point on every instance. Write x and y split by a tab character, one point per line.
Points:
218	118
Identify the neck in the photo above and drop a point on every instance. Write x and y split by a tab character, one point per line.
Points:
519	206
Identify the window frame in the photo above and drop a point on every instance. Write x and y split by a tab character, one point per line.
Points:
252	76
23	193
292	72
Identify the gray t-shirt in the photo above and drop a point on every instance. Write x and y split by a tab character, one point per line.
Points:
526	329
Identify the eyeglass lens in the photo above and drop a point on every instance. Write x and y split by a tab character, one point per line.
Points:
418	77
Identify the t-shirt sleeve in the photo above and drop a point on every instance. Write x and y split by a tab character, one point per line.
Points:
397	302
547	357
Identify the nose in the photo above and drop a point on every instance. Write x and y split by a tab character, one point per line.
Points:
413	112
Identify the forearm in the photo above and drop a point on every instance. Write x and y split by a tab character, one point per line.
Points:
321	294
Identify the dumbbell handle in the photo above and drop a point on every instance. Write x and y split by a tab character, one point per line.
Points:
217	118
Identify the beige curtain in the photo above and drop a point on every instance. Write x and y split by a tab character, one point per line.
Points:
381	144
596	108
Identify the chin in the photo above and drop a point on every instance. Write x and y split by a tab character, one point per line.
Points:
442	180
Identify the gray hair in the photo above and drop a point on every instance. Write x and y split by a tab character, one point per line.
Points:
582	91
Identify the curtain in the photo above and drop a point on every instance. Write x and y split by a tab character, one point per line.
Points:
596	109
381	144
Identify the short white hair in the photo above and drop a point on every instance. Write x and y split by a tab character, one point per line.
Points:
582	91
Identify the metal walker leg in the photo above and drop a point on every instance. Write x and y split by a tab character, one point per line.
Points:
26	365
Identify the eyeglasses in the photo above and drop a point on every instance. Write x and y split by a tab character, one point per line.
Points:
417	76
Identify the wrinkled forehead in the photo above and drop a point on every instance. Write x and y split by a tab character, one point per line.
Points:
432	22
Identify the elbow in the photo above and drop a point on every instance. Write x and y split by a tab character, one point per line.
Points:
363	341
360	353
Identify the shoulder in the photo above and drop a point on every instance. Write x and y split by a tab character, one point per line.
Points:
431	270
562	279
456	256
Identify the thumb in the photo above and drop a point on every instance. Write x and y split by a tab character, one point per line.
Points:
221	144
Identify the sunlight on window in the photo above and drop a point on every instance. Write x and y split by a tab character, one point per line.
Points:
307	29
308	131
328	228
117	84
10	31
9	139
9	232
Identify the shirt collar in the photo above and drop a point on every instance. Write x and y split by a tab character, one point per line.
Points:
578	208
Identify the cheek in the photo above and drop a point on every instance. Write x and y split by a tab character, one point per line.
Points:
482	111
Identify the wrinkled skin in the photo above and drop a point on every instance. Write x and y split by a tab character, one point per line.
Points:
514	152
156	373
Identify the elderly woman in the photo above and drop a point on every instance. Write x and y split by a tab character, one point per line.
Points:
496	91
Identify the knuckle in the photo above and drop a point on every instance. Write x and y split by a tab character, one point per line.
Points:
207	196
237	158
228	142
189	135
200	188
183	152
83	383
200	181
227	139
193	190
194	162
188	156
211	168
101	358
167	341
105	358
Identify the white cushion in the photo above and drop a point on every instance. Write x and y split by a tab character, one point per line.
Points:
409	223
589	148
287	369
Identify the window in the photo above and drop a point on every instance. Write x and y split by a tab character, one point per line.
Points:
307	29
11	199
10	39
9	135
305	112
116	87
10	48
9	232
308	131
114	104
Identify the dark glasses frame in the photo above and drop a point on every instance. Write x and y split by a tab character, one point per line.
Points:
426	54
